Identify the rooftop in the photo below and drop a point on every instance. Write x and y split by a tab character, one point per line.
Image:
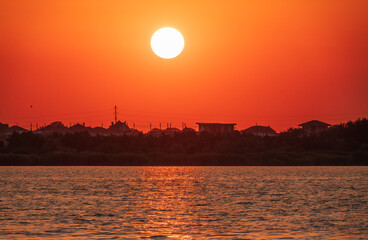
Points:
260	129
217	123
314	123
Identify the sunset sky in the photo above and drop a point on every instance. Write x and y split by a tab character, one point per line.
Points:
277	63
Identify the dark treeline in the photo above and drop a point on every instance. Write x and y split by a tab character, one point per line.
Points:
346	144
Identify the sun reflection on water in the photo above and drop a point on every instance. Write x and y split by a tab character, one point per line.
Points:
183	202
167	195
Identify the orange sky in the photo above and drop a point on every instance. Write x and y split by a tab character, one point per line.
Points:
275	63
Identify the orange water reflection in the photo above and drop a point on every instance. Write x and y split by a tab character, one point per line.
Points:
167	195
184	202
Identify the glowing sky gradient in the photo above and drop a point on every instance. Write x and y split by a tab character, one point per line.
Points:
275	63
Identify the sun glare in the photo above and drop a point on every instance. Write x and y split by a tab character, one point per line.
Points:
167	42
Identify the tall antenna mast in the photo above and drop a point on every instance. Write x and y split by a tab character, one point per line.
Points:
116	113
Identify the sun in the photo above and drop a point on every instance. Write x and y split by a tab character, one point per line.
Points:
167	42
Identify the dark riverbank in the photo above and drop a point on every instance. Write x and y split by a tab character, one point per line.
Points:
199	159
343	145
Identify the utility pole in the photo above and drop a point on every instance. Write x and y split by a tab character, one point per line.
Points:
116	113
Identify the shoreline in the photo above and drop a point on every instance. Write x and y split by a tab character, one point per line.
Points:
310	158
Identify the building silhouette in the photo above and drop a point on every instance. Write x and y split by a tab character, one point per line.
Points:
314	127
57	127
260	131
216	128
171	131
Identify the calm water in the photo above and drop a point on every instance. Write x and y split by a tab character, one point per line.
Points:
184	202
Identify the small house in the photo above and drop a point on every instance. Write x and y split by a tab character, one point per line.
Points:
260	131
171	131
119	128
314	127
156	132
216	128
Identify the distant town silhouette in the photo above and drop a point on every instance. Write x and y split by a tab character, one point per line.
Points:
121	128
313	143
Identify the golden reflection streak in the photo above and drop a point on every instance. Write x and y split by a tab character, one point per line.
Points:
167	194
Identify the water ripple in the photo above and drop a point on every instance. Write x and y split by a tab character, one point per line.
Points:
184	202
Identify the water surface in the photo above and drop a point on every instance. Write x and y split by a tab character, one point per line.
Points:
184	202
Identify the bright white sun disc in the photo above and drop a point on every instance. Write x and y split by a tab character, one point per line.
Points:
167	42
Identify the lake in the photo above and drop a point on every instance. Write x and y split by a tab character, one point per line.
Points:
184	202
